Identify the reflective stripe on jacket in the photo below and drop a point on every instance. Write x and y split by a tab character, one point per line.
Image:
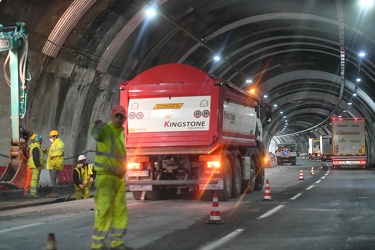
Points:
30	161
110	149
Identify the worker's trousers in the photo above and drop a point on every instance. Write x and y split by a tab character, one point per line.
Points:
82	193
34	181
110	211
29	174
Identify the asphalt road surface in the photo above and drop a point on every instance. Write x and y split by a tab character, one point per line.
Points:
332	209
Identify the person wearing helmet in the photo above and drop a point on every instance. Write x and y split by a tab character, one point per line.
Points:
55	160
111	214
36	163
83	176
29	172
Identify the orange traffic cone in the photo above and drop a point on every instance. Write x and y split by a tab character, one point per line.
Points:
267	192
301	175
312	171
215	213
51	244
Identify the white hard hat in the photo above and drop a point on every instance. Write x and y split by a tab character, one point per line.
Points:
81	158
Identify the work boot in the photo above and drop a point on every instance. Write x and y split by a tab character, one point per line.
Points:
53	195
26	192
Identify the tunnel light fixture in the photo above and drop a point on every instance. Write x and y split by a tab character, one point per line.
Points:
366	3
265	96
150	12
275	105
249	81
350	103
354	94
362	54
358	79
217	58
281	112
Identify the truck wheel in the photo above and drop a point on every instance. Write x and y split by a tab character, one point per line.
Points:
259	180
249	185
137	195
225	194
237	178
207	195
155	194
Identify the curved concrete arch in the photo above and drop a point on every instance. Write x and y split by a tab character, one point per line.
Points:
259	51
259	18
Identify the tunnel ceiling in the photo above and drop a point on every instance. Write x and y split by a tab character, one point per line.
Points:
303	54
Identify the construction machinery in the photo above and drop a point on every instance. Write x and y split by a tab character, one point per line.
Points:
14	40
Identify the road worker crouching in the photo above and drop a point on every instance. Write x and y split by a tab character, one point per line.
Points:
83	176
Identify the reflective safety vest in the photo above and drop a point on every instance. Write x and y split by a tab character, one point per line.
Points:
84	173
110	149
30	161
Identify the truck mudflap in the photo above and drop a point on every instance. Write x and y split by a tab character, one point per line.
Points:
147	185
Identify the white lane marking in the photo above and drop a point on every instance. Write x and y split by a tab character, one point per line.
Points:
317	181
20	227
222	240
323	177
269	213
296	196
310	187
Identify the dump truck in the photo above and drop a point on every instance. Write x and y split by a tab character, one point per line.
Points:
314	149
348	141
326	147
286	153
190	131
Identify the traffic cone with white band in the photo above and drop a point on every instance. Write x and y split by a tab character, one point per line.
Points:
267	192
312	171
215	213
301	175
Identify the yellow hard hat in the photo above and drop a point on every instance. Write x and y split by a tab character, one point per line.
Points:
32	137
53	133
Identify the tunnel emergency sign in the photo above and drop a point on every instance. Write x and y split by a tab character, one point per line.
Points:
169	114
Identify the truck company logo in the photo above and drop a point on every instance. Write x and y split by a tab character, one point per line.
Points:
194	124
341	126
229	116
168	106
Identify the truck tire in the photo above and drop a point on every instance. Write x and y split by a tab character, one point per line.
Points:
249	185
237	178
225	194
137	195
260	177
155	194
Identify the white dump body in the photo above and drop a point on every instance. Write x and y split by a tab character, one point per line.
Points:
169	114
348	141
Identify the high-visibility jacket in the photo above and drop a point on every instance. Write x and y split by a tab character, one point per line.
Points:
31	162
55	158
110	149
82	174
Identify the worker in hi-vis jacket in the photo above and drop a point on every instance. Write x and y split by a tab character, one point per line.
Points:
111	214
83	176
